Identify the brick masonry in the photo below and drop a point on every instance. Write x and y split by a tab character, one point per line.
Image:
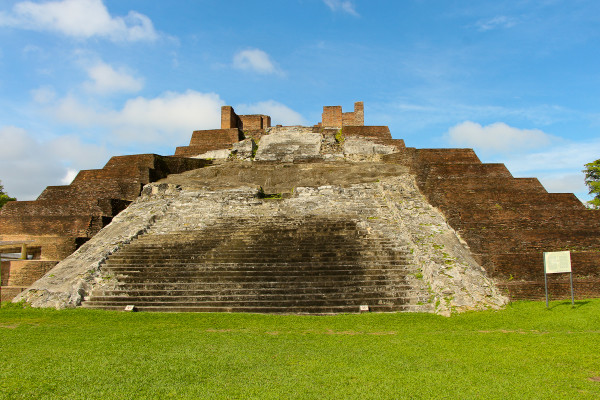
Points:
333	117
507	222
64	217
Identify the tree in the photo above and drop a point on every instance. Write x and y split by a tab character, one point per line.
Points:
4	198
592	180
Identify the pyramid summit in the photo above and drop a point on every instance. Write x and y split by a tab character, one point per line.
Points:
334	217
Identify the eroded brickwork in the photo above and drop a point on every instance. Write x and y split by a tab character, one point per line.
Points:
333	117
64	217
509	222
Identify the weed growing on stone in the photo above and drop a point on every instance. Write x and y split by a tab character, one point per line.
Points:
339	137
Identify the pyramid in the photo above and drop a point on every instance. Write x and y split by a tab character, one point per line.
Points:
335	217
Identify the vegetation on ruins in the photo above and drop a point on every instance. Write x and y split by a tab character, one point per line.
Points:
4	198
339	136
592	180
262	195
522	352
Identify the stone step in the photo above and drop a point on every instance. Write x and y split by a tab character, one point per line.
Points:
258	261
266	247
256	268
174	301
357	279
269	309
181	290
259	245
291	297
263	286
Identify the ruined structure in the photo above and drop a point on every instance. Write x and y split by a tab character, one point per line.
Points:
320	219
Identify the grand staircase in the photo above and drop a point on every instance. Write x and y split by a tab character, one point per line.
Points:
273	265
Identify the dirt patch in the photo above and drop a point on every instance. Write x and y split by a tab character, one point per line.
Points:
522	332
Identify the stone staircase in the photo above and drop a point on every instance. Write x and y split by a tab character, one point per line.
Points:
270	265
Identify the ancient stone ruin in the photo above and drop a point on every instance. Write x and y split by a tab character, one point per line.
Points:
336	217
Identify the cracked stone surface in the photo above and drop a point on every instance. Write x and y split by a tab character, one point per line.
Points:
383	199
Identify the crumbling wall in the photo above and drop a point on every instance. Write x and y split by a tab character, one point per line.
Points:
64	217
509	222
333	117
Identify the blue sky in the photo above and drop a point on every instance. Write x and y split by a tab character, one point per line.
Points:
81	80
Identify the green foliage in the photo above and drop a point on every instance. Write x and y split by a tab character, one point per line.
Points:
263	195
4	198
522	352
592	180
339	136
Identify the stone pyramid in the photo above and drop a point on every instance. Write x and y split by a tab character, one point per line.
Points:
337	217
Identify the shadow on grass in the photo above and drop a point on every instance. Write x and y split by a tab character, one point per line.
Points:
567	303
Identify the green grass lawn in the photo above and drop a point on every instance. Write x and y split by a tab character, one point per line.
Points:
522	352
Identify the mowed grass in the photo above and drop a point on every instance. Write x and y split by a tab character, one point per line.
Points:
522	352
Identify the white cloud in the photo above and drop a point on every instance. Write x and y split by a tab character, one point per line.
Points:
69	176
255	60
28	165
498	22
559	168
279	113
567	156
497	137
105	79
564	183
346	6
168	119
43	95
81	19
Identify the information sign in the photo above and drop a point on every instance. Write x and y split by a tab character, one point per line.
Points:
557	261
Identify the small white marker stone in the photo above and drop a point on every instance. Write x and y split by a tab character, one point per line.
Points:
130	307
364	308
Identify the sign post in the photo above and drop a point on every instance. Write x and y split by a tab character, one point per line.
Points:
557	262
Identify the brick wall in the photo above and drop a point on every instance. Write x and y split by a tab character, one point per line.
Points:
64	217
207	140
24	272
18	275
509	222
333	117
378	134
254	122
229	118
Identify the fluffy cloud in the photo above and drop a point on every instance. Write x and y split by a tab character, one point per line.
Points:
498	22
81	19
28	165
167	120
105	79
255	60
346	6
279	113
43	95
497	137
564	183
557	167
567	156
